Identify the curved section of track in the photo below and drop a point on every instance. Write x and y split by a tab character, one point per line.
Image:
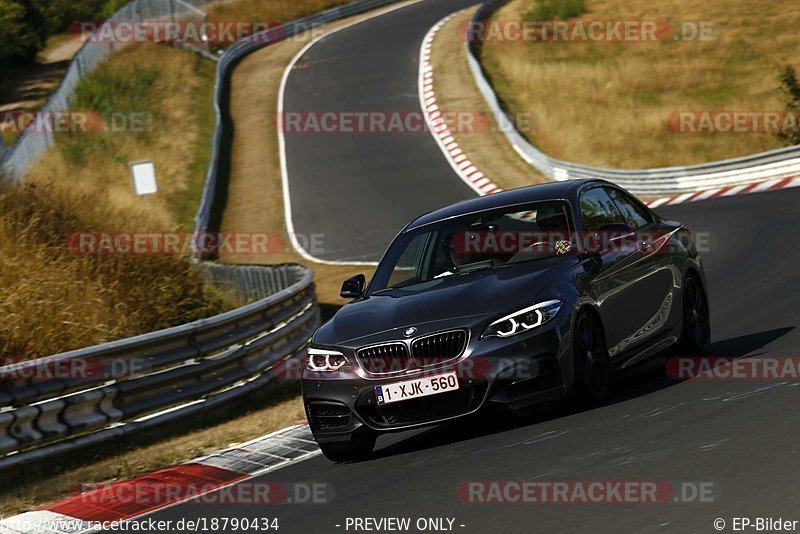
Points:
360	189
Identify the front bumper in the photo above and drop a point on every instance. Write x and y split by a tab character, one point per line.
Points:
515	372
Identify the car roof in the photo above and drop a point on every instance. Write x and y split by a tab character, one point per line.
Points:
523	195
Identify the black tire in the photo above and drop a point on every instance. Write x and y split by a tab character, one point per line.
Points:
358	448
696	333
592	379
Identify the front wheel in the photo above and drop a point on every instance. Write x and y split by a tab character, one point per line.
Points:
358	448
592	368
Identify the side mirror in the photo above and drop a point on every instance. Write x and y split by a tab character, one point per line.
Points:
353	288
595	263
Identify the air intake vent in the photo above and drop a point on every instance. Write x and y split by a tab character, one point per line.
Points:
439	348
329	415
384	359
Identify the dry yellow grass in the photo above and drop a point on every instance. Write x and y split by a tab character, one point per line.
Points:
607	103
53	300
129	464
456	93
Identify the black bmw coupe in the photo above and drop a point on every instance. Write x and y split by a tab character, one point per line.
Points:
509	299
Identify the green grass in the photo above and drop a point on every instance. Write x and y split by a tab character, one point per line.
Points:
108	91
184	206
170	91
112	92
556	10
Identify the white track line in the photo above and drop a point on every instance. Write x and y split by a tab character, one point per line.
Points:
287	201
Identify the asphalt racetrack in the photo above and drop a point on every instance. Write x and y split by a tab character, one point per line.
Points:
741	436
357	190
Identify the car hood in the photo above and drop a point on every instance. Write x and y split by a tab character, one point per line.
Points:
436	304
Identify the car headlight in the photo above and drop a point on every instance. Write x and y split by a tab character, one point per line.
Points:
524	320
325	360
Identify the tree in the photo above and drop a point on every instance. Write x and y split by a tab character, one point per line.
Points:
25	25
19	38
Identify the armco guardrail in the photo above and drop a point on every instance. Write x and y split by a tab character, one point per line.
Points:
60	403
31	144
774	164
214	194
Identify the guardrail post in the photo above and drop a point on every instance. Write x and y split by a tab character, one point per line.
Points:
82	411
48	422
108	407
7	442
22	428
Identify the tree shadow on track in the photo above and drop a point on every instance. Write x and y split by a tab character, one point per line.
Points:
641	380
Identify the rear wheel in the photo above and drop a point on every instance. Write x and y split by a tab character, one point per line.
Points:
696	334
592	368
358	448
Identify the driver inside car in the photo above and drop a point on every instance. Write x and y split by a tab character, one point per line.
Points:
455	254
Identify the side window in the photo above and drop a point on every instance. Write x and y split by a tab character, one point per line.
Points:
635	215
598	209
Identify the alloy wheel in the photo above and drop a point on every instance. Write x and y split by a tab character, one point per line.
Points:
592	370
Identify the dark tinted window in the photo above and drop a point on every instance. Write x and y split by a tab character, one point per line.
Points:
483	240
635	215
598	209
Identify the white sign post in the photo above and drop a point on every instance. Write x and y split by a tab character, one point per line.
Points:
143	174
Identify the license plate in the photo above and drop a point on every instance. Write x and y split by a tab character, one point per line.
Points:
414	389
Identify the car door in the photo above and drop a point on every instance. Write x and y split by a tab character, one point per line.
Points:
629	287
651	267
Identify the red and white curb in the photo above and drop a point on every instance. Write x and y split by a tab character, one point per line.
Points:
468	171
757	187
121	501
464	168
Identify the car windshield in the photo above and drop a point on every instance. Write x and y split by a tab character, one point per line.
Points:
478	241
